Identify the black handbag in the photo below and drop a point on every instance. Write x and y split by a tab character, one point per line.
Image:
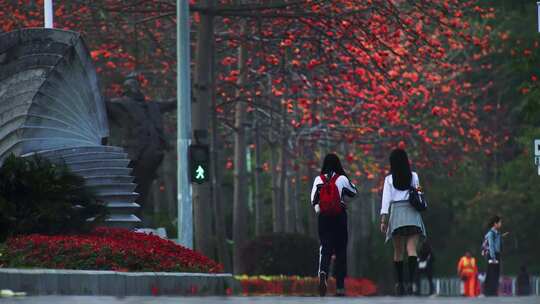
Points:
417	199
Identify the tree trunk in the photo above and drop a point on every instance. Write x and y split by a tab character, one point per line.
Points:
290	226
311	215
286	189
277	219
257	180
240	206
220	230
299	219
169	182
355	244
282	188
201	112
277	222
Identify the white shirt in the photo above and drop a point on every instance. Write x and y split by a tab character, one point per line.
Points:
391	194
342	182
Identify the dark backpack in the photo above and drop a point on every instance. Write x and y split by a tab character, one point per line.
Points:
484	249
329	198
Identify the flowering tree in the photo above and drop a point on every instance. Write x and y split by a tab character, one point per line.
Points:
357	77
308	77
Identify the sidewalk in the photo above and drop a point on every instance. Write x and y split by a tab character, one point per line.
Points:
112	283
267	300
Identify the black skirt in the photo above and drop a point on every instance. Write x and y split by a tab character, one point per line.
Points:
407	231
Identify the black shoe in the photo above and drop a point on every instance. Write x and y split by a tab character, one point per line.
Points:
322	284
399	290
340	292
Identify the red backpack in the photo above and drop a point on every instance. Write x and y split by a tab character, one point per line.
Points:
329	198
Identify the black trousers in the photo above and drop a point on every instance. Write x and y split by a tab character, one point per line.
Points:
491	285
333	236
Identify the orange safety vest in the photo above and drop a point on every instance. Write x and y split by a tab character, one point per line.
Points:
467	266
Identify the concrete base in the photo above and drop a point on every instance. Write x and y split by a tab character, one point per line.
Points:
112	283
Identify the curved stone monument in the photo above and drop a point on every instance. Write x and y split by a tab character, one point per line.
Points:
50	105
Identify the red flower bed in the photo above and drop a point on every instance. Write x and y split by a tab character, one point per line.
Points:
301	286
104	249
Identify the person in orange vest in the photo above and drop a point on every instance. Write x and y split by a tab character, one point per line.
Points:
468	272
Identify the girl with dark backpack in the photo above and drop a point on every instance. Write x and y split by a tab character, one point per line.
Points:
404	226
327	194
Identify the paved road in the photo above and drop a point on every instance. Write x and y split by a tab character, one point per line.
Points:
264	300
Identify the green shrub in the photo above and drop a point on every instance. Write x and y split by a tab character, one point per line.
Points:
37	196
281	254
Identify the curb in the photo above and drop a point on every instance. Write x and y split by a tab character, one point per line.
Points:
113	283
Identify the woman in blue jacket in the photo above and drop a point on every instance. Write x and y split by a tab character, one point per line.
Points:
493	237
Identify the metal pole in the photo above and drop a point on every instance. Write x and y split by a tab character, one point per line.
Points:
185	208
48	14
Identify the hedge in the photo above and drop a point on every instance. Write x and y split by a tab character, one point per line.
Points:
104	249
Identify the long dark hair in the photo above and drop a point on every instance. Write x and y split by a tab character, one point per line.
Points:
400	169
331	164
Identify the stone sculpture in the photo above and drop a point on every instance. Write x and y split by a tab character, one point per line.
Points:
50	105
137	126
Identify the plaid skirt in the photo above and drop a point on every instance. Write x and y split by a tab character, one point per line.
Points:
404	216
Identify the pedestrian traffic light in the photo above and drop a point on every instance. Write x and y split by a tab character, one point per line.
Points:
199	163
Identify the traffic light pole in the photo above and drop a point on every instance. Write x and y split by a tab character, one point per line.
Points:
185	208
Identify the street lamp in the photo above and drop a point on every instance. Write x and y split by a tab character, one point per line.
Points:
183	116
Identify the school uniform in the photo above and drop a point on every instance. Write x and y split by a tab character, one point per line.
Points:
333	234
491	285
404	219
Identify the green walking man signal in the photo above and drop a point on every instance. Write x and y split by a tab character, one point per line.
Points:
199	163
200	173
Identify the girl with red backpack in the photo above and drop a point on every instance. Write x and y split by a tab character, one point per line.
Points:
405	225
327	194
